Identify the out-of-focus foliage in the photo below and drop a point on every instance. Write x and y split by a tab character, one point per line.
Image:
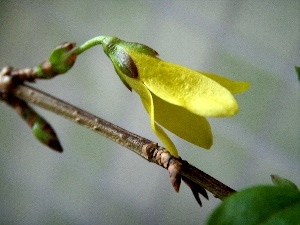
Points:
259	205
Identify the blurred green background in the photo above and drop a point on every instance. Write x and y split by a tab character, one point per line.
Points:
95	181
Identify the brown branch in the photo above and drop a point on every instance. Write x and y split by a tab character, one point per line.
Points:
123	137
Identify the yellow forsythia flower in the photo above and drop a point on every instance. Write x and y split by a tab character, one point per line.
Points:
174	96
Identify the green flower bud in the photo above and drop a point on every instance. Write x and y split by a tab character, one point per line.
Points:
60	61
41	129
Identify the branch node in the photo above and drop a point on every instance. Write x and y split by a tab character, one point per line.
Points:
174	169
153	153
148	150
5	79
25	74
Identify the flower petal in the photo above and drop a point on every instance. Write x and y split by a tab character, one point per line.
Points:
147	100
189	126
183	123
234	87
184	87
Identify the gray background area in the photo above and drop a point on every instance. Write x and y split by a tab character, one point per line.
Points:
95	181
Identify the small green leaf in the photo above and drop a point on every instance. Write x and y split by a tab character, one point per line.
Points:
259	205
297	68
109	43
139	48
282	182
124	62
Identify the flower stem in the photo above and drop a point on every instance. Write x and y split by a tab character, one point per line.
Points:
89	44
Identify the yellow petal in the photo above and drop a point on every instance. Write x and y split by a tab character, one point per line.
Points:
147	100
183	123
184	87
234	87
